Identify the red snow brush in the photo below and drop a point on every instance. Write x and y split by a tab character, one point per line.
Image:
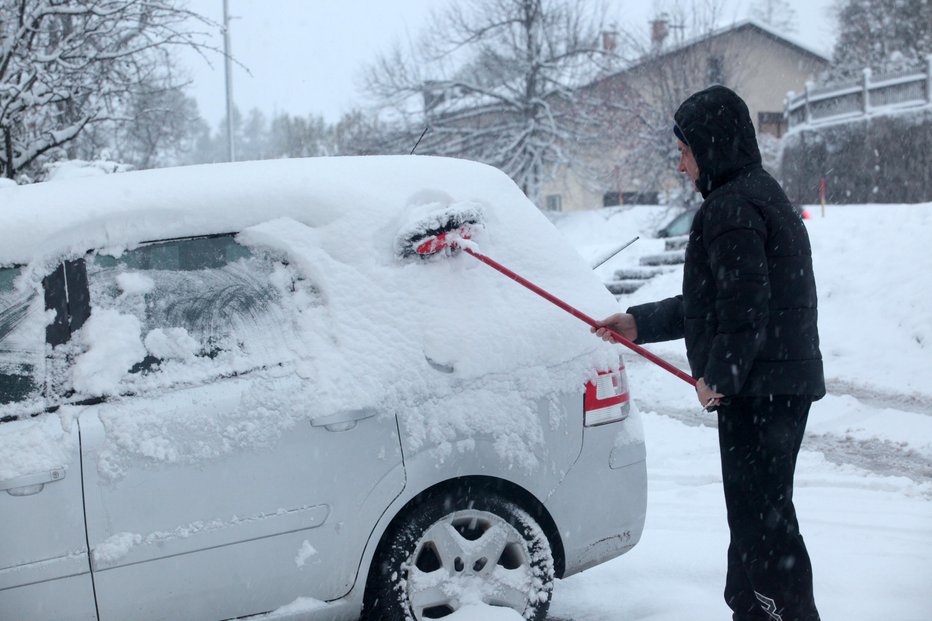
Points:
458	227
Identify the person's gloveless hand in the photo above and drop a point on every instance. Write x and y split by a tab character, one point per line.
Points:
622	323
707	397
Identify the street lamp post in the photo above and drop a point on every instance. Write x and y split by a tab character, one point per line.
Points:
228	66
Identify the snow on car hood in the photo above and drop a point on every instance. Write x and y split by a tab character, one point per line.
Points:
446	341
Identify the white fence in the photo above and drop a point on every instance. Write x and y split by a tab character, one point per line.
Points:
853	99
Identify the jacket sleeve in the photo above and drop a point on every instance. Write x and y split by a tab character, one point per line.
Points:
659	321
735	241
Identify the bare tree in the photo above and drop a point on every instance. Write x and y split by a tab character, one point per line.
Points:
66	65
675	59
157	126
497	81
358	133
776	14
295	136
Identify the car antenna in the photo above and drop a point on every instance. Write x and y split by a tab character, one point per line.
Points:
426	127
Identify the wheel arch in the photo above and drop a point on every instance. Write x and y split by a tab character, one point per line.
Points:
481	483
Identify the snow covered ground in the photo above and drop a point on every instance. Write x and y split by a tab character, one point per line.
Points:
864	479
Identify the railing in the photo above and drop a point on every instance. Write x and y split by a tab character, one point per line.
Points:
853	99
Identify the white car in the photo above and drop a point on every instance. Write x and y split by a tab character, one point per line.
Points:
226	391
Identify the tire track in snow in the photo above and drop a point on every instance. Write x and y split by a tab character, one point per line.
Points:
880	397
868	394
882	457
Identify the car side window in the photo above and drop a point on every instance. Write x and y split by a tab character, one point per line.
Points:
175	311
22	341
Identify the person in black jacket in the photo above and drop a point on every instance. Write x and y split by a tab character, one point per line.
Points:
748	315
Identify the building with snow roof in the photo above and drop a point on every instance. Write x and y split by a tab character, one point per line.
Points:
758	62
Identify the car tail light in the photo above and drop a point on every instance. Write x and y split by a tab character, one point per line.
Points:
607	399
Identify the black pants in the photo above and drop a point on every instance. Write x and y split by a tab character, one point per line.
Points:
769	572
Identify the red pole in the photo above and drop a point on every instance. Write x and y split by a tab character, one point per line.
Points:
579	314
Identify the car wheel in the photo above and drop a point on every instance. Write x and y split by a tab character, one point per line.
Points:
456	549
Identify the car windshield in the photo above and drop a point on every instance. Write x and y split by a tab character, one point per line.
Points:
21	339
681	224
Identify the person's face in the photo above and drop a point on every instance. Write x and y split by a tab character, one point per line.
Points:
687	161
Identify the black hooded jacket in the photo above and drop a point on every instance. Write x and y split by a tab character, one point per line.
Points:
748	307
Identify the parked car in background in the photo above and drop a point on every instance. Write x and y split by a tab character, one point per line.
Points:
679	224
683	221
224	392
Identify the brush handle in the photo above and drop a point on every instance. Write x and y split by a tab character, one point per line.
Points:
581	315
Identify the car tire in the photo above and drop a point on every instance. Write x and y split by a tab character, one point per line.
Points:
457	548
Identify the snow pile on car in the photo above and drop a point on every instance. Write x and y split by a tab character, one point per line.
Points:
447	342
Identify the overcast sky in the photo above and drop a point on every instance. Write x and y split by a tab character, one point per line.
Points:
305	56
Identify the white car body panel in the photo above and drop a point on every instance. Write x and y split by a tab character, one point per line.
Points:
44	571
222	537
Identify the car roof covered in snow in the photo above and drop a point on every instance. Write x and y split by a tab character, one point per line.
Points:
77	214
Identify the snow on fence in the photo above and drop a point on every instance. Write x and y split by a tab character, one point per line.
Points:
853	99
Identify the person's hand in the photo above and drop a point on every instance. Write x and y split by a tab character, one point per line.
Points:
707	397
622	323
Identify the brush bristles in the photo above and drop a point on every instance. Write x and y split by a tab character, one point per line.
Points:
440	231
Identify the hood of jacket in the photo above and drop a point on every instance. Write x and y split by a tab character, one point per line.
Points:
718	128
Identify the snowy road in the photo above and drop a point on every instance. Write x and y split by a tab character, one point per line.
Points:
887	457
864	507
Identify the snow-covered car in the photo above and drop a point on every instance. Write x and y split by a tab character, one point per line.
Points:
226	391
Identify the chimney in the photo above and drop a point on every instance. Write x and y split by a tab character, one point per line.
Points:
659	29
609	40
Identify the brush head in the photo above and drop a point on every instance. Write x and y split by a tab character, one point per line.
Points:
440	231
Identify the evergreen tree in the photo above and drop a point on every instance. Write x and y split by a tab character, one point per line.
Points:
883	35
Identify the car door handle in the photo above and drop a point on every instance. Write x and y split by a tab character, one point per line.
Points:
343	420
34	483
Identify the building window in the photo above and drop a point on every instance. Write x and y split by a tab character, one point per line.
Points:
715	71
640	198
554	202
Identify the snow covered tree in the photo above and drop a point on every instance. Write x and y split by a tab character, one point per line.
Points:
883	35
358	133
253	141
777	14
256	138
496	81
67	65
295	136
155	127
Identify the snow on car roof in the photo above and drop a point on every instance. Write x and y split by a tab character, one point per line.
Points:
447	341
80	213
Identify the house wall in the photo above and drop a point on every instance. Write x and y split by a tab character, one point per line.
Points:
757	65
769	70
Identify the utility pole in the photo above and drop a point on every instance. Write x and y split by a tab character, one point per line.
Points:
228	66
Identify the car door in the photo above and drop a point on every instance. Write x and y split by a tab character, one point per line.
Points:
215	487
44	569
